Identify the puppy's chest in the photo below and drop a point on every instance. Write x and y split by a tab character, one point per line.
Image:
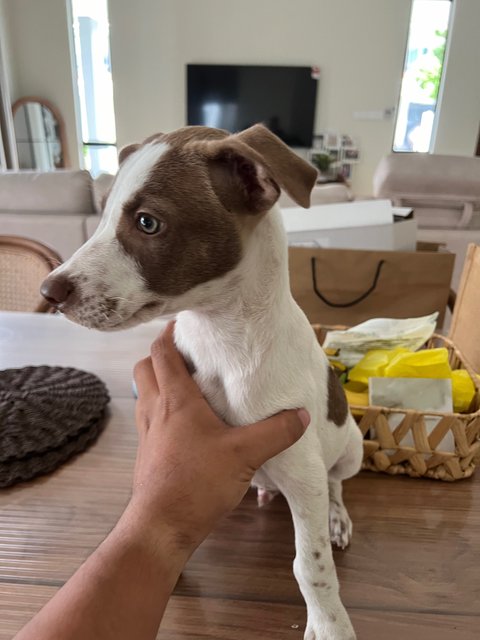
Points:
243	399
231	400
213	388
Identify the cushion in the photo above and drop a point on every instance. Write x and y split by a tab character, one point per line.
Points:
62	191
101	187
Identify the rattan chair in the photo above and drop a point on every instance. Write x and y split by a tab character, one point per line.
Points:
24	264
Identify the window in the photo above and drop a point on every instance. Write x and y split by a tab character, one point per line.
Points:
422	75
94	85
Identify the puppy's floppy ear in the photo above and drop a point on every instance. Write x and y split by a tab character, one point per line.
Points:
293	174
127	151
239	177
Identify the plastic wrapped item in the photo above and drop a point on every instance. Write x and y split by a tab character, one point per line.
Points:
379	333
429	363
373	364
463	390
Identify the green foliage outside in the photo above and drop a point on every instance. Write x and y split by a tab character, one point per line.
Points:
429	79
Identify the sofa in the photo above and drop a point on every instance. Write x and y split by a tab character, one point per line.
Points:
56	208
63	208
443	190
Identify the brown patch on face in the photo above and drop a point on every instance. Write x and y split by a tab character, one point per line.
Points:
200	190
183	136
337	402
201	240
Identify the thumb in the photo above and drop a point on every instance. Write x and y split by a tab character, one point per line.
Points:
265	439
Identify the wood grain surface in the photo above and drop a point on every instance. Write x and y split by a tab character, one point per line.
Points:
411	573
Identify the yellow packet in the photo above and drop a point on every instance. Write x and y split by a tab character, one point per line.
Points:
463	390
429	363
373	364
357	393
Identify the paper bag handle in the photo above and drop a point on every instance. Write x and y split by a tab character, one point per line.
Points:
343	305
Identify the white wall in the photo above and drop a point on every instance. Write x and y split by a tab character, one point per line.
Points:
40	57
459	114
359	46
143	43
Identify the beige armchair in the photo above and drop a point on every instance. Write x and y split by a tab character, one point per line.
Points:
443	190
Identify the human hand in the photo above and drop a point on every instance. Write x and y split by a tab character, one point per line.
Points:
191	467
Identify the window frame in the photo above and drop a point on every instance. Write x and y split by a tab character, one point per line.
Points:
438	101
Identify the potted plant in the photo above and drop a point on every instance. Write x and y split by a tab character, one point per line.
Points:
321	161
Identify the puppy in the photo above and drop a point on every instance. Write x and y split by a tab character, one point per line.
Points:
191	228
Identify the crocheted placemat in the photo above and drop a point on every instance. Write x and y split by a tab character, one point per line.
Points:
47	415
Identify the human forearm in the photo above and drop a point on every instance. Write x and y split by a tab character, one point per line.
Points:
120	592
191	469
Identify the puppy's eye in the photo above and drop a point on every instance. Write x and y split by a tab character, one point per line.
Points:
149	224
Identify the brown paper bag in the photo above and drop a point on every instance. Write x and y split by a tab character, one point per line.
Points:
348	286
465	328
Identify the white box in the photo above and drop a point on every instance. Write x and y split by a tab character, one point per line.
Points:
359	213
364	224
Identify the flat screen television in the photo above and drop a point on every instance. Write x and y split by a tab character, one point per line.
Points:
235	97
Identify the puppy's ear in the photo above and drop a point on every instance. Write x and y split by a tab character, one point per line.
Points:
293	174
240	179
127	151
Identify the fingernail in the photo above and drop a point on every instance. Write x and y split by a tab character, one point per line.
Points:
304	417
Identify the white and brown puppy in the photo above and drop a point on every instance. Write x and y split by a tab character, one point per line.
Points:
191	228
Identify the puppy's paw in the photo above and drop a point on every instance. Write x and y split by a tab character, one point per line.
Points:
340	525
265	496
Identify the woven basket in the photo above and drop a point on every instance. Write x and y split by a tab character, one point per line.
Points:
382	445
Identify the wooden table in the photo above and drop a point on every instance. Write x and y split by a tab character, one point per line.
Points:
412	571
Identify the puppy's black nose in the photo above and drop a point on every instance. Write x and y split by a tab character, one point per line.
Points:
57	289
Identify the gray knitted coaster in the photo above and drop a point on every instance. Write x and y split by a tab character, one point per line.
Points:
47	415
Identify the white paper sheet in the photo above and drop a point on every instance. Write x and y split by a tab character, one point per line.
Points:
422	394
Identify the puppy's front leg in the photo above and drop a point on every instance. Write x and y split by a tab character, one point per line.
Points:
305	486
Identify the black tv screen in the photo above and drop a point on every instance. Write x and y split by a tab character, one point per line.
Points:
235	97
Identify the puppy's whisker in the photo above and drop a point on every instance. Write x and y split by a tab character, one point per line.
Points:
130	302
119	315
